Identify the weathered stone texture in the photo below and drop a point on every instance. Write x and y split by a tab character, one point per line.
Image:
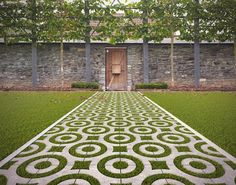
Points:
218	67
98	63
15	65
135	60
217	64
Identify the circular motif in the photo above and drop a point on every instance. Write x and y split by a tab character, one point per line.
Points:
118	114
160	123
118	119
34	148
120	166
195	165
151	149
173	138
81	118
119	123
80	111
207	149
87	149
86	114
183	130
135	112
119	138
96	130
168	118
99	118
142	130
41	166
69	118
164	179
78	123
55	129
65	138
79	178
153	115
139	118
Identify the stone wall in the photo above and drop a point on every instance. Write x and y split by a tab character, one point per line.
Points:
218	67
15	64
217	64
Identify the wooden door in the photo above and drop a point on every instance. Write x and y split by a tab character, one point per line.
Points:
116	69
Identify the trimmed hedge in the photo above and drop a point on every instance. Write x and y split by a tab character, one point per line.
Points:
160	85
85	85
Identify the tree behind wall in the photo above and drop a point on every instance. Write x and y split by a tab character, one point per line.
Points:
58	25
221	20
112	26
19	22
142	30
165	17
192	30
83	29
209	21
131	22
160	20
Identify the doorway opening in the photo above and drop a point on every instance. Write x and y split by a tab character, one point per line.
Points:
116	68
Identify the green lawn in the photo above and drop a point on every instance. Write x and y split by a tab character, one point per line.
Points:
213	114
25	114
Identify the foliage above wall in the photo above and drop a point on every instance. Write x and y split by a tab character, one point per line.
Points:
116	22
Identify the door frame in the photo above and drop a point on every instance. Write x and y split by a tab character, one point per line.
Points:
106	64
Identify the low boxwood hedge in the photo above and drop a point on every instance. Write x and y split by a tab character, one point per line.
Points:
85	85
159	85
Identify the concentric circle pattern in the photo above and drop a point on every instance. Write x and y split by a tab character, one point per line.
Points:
87	149
119	138
138	118
207	149
96	130
183	130
152	149
77	123
34	148
119	123
199	166
173	138
65	138
164	179
72	178
55	129
41	166
120	166
142	130
160	123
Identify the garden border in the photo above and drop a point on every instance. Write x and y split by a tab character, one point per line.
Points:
17	151
226	154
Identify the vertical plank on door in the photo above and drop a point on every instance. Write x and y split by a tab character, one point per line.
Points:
113	57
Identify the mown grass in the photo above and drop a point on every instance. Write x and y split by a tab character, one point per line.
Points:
25	114
213	114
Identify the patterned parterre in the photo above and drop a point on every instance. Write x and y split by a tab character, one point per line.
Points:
119	138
